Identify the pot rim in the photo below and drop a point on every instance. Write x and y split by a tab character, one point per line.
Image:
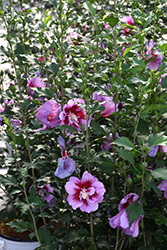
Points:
16	239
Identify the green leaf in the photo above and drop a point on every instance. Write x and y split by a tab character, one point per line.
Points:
105	163
78	235
53	68
139	62
19	225
70	129
97	129
111	20
124	142
135	79
47	19
157	216
157	139
54	2
126	155
159	173
154	107
90	8
2	13
44	234
164	82
142	126
19	139
153	185
102	243
8	180
15	191
163	47
135	209
128	49
26	103
97	108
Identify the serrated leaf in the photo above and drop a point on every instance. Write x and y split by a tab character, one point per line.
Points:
159	173
97	128
126	155
90	8
19	225
161	141
135	210
139	62
157	139
124	142
8	180
53	67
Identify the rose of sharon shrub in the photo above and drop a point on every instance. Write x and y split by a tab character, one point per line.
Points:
121	219
85	193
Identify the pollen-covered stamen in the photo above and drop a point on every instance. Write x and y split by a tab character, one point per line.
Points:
73	117
83	194
49	117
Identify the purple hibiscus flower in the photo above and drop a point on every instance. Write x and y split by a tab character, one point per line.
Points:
73	114
35	82
121	219
47	192
154	150
163	187
16	124
107	143
153	54
86	193
106	102
130	21
48	114
66	165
